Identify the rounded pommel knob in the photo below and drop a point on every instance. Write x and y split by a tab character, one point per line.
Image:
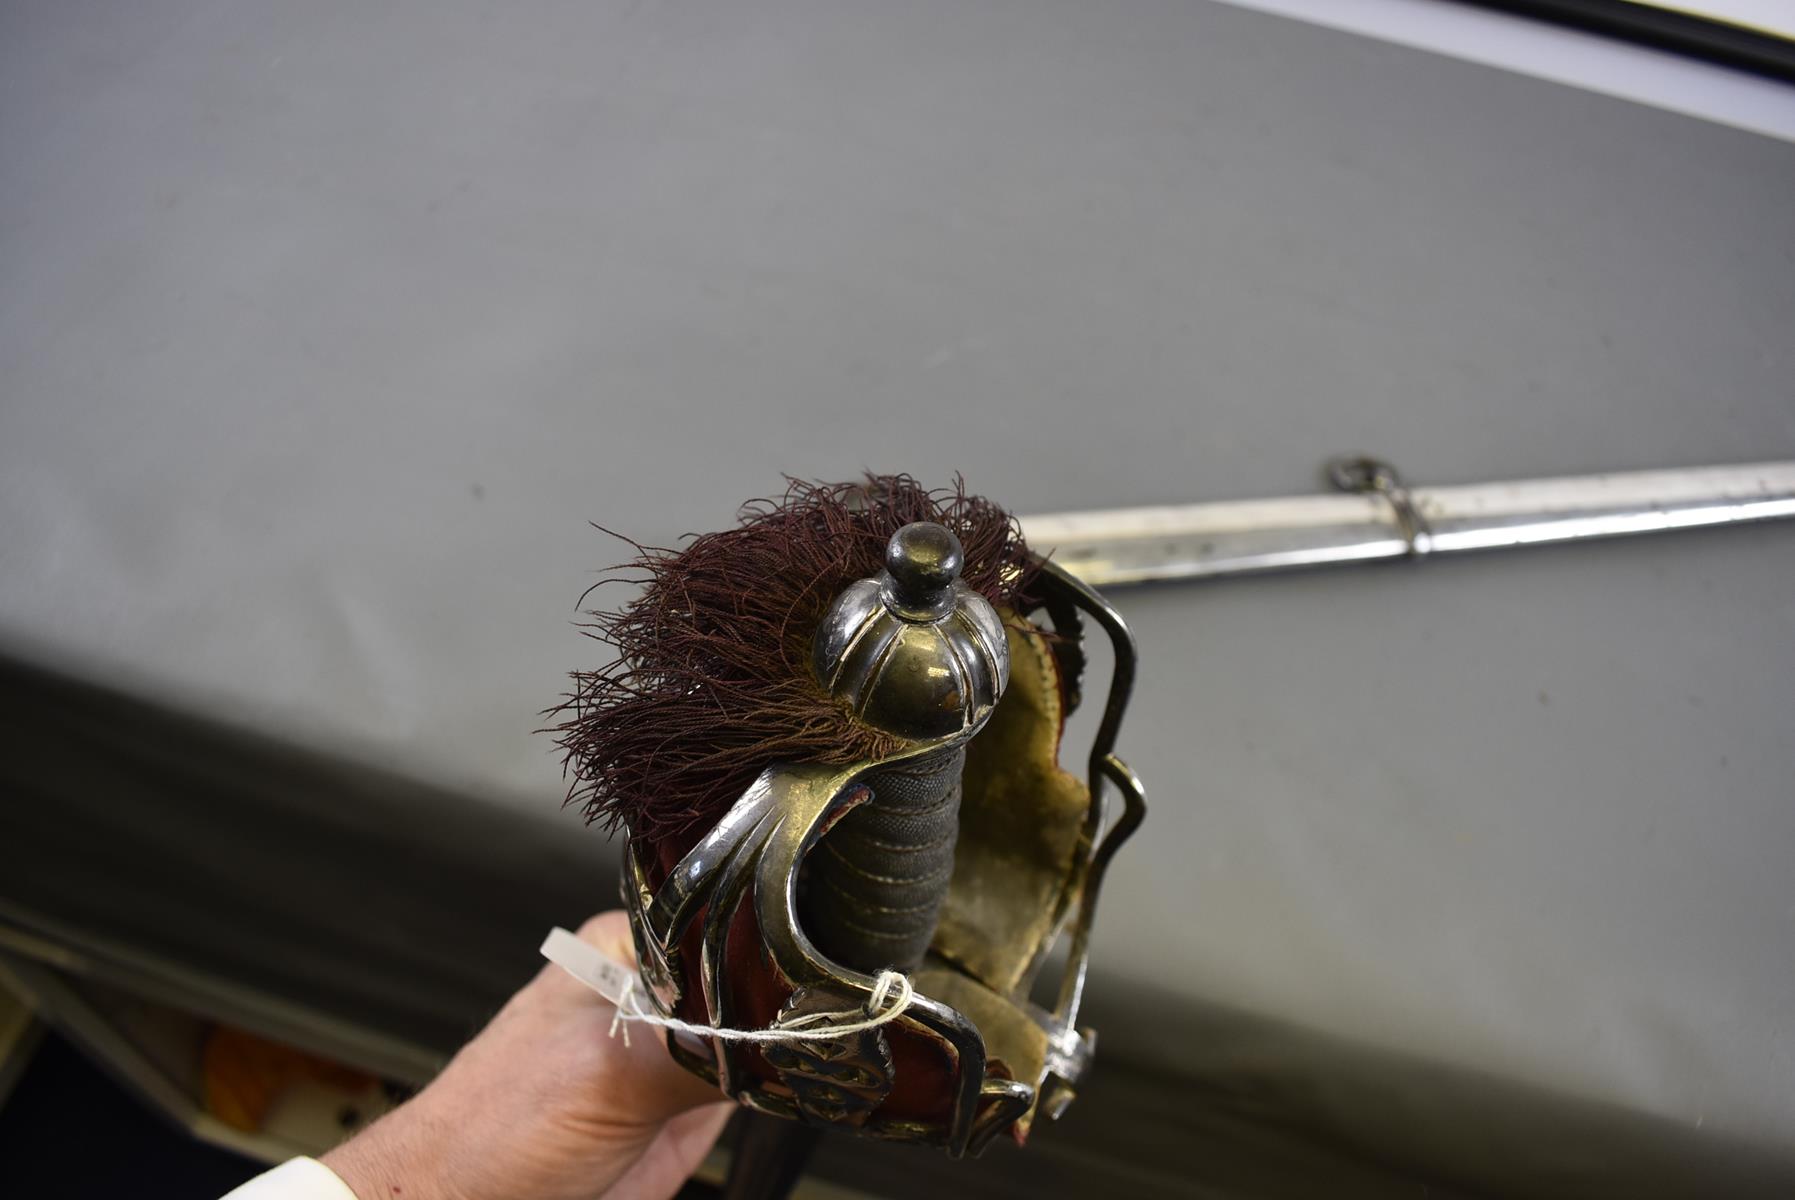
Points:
922	563
914	651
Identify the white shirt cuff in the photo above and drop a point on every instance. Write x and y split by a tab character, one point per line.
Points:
295	1179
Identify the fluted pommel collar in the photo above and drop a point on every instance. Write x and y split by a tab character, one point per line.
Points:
914	651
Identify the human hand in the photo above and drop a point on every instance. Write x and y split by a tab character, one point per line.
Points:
544	1105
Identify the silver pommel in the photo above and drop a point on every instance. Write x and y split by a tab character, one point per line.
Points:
914	651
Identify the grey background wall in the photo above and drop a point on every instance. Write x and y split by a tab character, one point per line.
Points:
324	329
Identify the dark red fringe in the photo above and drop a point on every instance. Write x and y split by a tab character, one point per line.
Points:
712	681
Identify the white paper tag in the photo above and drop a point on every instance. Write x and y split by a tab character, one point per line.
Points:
588	964
616	982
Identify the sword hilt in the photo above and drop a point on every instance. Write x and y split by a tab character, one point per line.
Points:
879	878
915	652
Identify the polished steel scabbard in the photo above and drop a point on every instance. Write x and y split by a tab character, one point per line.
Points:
1373	516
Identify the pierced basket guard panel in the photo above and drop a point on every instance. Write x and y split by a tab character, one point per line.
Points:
720	942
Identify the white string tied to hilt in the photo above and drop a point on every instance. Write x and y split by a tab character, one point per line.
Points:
892	995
